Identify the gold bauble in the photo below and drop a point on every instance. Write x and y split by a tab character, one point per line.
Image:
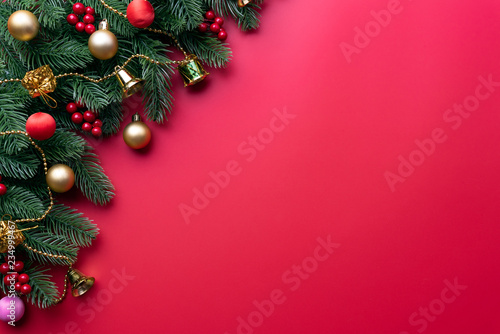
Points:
103	43
60	178
23	25
137	134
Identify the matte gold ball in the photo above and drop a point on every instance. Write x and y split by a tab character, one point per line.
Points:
137	135
23	25
103	44
60	178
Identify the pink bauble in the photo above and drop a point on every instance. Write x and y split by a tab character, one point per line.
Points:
11	309
140	13
41	126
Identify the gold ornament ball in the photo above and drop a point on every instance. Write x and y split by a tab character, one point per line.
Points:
60	178
103	44
23	25
137	134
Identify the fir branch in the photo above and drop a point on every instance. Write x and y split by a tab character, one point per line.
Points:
247	17
209	49
44	292
63	146
23	165
49	243
19	202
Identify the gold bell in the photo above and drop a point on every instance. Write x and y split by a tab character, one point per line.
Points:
191	71
243	3
129	83
80	282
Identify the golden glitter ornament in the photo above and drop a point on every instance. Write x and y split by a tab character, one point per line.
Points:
136	134
40	82
103	43
23	25
60	178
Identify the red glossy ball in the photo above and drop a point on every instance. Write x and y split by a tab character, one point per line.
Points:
86	127
80	27
219	21
18	266
214	27
89	29
8	279
140	13
97	123
24	278
17	287
41	126
25	289
3	189
87	19
4	269
210	15
77	118
89	116
89	10
79	8
222	35
71	107
96	131
203	27
80	104
72	19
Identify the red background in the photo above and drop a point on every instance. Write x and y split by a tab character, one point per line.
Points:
323	175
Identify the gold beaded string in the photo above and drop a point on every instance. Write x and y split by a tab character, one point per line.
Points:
24	244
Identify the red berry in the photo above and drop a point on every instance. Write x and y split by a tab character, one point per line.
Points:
80	27
7	280
89	10
222	35
24	278
96	131
210	15
97	123
214	27
25	289
71	107
219	21
78	8
87	127
17	287
77	118
88	19
89	29
72	19
203	27
89	116
4	268
3	189
80	104
18	266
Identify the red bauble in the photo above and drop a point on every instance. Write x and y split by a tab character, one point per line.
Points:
87	19
4	269
87	127
203	27
140	13
219	21
89	116
25	289
96	131
89	10
41	126
18	266
72	19
78	8
222	35
77	118
17	287
71	107
214	27
210	15
97	123
80	26
90	29
3	189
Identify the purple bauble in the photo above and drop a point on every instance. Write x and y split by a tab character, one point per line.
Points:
11	309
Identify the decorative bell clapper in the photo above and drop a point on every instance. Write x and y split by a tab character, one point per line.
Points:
243	3
81	283
192	71
128	82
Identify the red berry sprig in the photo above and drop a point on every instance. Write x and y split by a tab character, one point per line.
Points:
88	18
12	276
3	188
214	24
89	119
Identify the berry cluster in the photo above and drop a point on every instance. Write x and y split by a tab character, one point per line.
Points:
88	18
3	188
12	275
214	24
89	119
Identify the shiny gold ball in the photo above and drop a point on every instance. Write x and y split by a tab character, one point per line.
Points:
103	44
60	178
137	135
23	25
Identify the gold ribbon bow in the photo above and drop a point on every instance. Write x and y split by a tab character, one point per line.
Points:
40	82
10	231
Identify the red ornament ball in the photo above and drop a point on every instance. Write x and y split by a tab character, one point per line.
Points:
4	269
87	127
80	27
24	278
25	289
96	131
219	21
222	35
3	189
17	287
90	29
18	266
77	118
87	19
79	8
89	10
71	107
203	27
72	19
210	15
214	27
140	13
41	126
97	123
89	116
